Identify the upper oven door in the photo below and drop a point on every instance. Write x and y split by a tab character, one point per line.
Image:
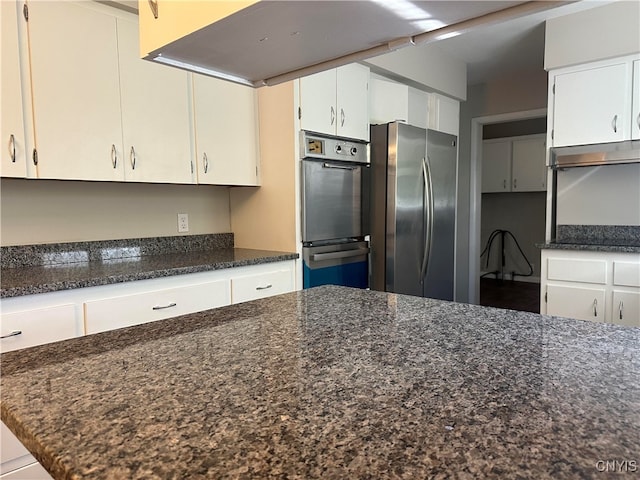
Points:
332	200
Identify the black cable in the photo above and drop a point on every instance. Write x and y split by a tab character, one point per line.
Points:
487	249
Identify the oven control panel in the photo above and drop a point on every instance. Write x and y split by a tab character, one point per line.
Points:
332	148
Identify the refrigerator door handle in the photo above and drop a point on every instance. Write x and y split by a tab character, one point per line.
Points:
428	216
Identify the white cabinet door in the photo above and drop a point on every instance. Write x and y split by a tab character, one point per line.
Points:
592	106
528	169
388	102
443	114
496	166
576	302
128	310
16	463
155	115
32	327
318	102
226	132
626	308
352	101
267	284
635	114
76	96
13	161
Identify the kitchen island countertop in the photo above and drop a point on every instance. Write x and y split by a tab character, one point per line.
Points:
332	382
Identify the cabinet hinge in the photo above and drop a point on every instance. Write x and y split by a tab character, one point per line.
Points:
256	171
35	156
545	297
299	113
553	89
25	12
551	134
191	167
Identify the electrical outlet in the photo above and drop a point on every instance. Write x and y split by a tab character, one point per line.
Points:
183	222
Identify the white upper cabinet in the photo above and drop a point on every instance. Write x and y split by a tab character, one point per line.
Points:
528	166
592	103
444	114
496	166
156	116
635	114
76	96
390	101
226	132
514	164
336	102
14	150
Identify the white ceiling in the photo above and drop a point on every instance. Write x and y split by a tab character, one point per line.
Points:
490	51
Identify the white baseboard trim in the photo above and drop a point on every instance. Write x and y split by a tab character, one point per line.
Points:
517	278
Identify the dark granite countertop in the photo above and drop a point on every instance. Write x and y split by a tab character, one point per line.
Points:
596	238
29	269
332	383
589	247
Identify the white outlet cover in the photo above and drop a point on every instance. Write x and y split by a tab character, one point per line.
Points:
183	222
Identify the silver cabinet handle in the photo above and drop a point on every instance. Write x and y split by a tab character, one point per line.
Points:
205	162
614	123
515	183
132	158
12	148
595	307
620	307
15	333
35	156
333	115
638	120
504	184
266	287
342	117
114	155
162	307
153	4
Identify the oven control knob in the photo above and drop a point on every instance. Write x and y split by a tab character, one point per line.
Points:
338	149
353	150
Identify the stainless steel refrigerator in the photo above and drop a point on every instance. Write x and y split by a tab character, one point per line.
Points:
413	208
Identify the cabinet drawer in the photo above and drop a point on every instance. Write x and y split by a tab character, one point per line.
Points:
29	328
127	310
626	274
263	285
576	302
571	270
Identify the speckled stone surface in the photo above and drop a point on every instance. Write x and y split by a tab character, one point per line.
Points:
73	252
30	280
332	383
597	238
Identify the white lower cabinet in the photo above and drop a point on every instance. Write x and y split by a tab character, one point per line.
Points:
127	310
261	285
597	286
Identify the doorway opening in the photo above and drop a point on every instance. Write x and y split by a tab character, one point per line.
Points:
507	219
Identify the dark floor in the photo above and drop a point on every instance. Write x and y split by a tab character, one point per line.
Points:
509	294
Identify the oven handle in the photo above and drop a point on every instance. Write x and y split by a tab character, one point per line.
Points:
339	167
316	257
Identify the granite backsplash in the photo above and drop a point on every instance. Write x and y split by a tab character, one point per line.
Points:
610	235
17	256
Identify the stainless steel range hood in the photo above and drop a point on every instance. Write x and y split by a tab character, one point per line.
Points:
596	154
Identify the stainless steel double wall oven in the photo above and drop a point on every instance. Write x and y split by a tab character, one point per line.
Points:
335	194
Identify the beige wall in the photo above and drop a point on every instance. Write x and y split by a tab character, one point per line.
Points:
49	211
265	217
596	34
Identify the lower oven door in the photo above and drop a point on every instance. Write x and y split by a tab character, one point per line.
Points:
336	264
